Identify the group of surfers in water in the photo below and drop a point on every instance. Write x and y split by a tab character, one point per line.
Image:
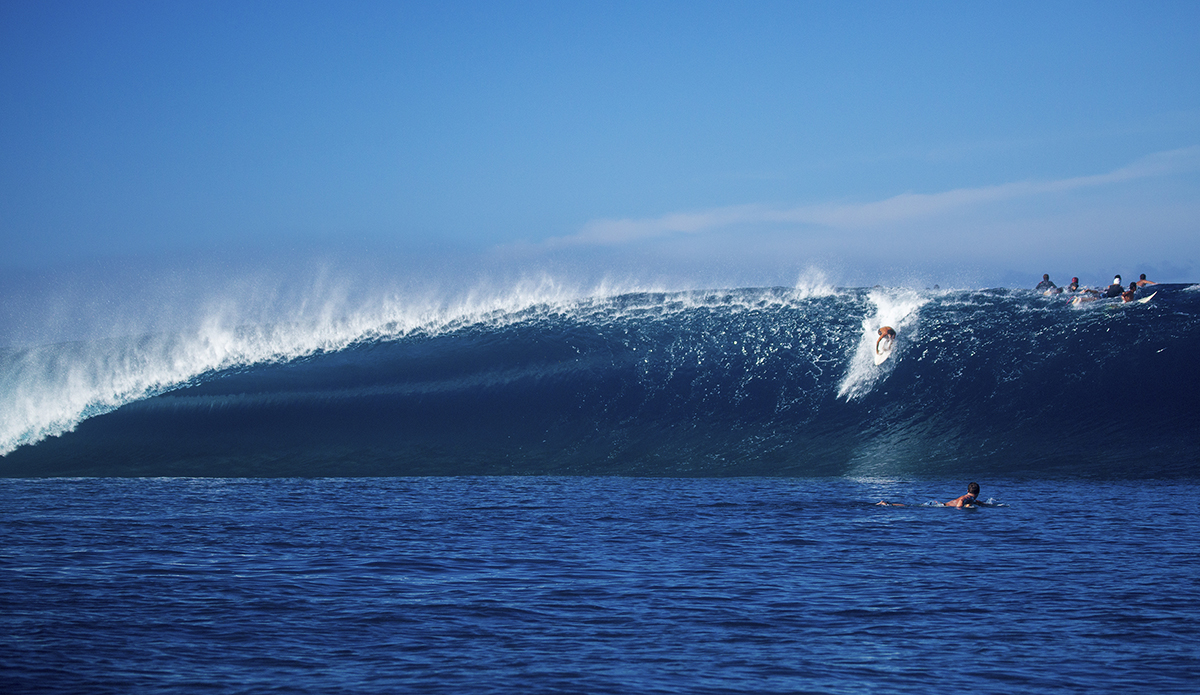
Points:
1085	294
1082	294
967	501
1116	289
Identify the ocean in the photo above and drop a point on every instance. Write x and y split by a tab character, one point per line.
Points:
616	493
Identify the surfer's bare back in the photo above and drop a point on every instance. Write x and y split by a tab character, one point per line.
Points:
885	332
969	500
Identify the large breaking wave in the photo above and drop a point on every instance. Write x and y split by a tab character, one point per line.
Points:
760	381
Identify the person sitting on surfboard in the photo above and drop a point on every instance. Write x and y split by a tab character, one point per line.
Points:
967	500
885	332
1116	289
1127	295
1142	281
1045	284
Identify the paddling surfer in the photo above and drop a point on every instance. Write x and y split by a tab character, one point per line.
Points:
967	500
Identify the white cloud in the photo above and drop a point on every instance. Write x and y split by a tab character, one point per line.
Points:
906	207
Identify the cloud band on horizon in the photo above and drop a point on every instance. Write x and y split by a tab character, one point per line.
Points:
900	208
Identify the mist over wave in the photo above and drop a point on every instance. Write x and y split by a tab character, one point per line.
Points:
48	389
547	378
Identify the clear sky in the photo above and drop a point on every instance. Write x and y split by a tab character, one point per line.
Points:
709	142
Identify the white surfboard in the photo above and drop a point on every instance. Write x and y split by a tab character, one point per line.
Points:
884	350
1143	300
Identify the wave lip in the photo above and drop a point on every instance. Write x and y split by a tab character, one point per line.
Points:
48	390
759	381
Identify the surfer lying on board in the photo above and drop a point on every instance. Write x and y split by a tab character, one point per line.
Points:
1142	281
1074	287
885	332
969	500
1127	295
1115	289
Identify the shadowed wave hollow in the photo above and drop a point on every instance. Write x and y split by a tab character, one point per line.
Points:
743	382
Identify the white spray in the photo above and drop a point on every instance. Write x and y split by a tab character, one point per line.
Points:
896	308
48	390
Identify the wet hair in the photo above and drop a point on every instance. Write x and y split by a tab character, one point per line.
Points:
1133	285
1046	276
973	488
1143	277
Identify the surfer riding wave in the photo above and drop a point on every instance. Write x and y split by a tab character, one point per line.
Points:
888	333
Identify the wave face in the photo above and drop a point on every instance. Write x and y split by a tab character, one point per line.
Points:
773	381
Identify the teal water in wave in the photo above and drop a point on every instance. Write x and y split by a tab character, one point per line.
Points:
596	585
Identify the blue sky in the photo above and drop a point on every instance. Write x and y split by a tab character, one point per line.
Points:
709	143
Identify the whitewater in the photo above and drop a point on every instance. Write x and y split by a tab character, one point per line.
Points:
544	380
623	490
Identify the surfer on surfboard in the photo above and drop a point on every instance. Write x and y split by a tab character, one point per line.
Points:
968	501
883	345
1129	294
885	332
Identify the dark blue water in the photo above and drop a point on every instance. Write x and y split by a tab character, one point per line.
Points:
775	382
596	585
652	492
